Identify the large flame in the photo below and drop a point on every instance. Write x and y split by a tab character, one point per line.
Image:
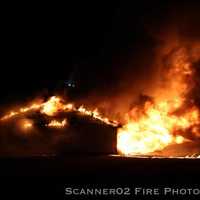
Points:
153	129
159	123
52	106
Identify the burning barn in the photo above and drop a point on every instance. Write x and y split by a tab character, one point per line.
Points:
168	114
56	128
89	136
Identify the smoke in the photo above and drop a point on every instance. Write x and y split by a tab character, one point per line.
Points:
143	70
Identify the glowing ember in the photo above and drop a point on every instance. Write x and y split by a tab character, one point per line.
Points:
57	124
25	124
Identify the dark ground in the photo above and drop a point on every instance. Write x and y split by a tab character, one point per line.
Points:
48	176
104	168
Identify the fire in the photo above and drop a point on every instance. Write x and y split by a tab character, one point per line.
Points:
160	122
25	124
52	106
153	130
95	114
55	105
57	124
34	106
179	139
10	115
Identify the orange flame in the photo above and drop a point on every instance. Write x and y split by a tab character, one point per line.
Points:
153	130
95	114
25	124
156	124
34	106
54	105
57	124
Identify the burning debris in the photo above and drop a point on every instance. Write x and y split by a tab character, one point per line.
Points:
57	127
25	124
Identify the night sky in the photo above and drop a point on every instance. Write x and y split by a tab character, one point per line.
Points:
42	44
